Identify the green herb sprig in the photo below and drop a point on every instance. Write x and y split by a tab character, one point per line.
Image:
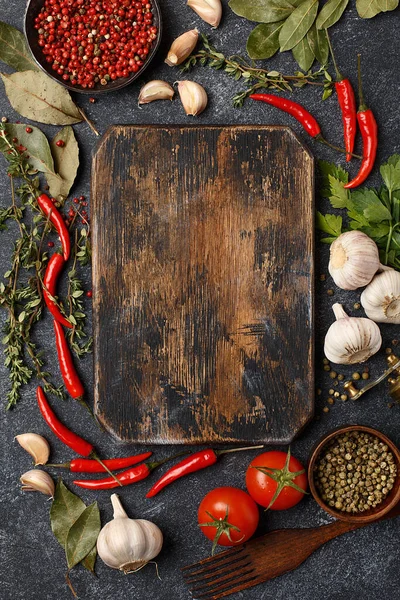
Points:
21	294
376	212
256	78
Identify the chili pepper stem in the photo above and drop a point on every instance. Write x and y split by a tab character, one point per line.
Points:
322	140
94	455
59	465
219	452
339	76
85	405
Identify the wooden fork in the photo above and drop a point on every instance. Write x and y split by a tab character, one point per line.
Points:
262	559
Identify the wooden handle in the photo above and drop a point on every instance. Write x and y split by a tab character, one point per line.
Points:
283	550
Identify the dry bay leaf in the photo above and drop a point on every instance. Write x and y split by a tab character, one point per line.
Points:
331	13
262	11
263	41
367	8
37	146
319	44
83	535
14	50
297	24
35	96
66	162
303	54
386	5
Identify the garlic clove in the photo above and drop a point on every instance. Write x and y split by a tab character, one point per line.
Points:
128	544
351	340
182	47
193	97
381	298
37	481
354	260
155	90
208	10
36	446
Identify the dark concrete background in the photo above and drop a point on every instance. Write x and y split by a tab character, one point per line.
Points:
363	565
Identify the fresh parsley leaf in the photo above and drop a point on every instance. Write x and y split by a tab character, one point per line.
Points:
331	224
339	197
367	202
390	173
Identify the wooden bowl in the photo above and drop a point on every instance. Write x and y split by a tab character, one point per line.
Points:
369	515
31	34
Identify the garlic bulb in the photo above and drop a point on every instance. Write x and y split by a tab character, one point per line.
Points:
381	298
182	47
193	97
208	10
37	481
354	260
155	90
36	445
351	340
128	544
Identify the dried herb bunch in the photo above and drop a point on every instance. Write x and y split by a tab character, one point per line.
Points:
21	294
256	78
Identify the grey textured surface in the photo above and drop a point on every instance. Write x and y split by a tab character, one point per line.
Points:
362	565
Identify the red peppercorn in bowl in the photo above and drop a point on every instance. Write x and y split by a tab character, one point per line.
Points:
93	46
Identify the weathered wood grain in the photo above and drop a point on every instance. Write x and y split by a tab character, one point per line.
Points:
203	283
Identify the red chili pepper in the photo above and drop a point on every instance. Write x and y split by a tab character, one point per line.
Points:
348	107
65	435
53	270
67	367
369	133
347	103
55	217
68	437
86	465
125	478
295	109
191	464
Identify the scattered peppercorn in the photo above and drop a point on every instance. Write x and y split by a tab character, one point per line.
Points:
89	293
60	143
395	342
331	401
325	409
388	351
336	394
333	374
325	361
354	472
327	368
331	391
4	120
28	129
343	397
365	375
357	305
340	377
322	277
81	198
330	292
50	244
356	376
92	100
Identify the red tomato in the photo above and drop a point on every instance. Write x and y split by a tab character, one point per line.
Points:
263	487
228	516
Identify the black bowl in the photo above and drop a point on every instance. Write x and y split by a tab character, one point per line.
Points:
31	34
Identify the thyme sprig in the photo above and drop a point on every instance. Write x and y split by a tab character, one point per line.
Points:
256	78
21	294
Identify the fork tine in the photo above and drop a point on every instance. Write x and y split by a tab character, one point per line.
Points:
213	562
226	568
230	587
224	578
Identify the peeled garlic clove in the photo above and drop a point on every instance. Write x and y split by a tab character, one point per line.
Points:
37	481
36	446
155	90
193	97
182	47
128	544
208	10
351	340
354	260
381	298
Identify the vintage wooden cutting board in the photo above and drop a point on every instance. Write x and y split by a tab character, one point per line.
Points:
203	283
